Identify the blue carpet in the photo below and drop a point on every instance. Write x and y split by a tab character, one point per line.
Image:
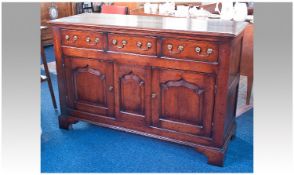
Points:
89	148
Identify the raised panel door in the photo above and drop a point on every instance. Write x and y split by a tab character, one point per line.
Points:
132	93
182	101
90	85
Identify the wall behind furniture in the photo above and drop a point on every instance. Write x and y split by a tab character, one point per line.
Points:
64	9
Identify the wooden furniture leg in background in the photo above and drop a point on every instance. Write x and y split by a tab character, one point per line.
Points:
249	88
247	60
44	60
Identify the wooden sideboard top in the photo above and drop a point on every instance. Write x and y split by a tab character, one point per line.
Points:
212	27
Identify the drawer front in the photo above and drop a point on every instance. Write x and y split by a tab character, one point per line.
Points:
84	39
132	44
190	49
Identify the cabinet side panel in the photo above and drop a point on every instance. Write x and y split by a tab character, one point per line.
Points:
234	78
235	59
59	67
222	82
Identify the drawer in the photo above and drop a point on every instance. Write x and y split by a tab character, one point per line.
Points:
144	45
84	39
190	49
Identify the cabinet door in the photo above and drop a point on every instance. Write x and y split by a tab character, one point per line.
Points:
182	101
90	85
132	93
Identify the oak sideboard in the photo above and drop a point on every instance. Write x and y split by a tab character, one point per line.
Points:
174	79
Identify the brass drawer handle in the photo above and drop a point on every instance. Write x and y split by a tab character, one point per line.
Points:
75	38
139	44
124	42
96	40
153	95
197	49
88	39
170	48
180	48
114	42
67	37
208	51
148	46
